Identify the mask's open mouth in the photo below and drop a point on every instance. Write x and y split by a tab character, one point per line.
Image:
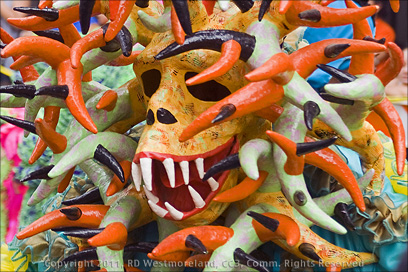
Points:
173	184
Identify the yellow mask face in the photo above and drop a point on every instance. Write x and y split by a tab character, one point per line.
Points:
177	167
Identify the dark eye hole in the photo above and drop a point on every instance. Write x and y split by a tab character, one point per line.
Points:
208	91
151	81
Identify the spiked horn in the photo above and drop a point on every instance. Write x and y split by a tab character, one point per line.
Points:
264	8
49	14
80	232
309	251
226	111
265	90
230	162
88	254
309	147
341	210
27	73
106	158
123	11
386	72
38	174
19	90
72	213
52	34
230	53
58	91
241	191
267	222
306	13
337	100
183	14
85	14
328	160
287	229
114	236
55	141
89	197
91	217
306	59
245	259
29	126
66	16
194	243
212	40
337	73
311	110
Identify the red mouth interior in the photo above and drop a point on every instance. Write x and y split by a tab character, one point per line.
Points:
179	197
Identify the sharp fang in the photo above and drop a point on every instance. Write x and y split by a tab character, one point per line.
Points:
200	167
146	165
136	175
213	184
157	209
176	214
185	170
198	201
169	165
150	195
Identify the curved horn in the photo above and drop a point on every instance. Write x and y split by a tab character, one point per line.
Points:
265	90
306	59
230	53
91	217
19	90
29	126
306	13
264	8
85	14
183	14
124	9
212	40
52	34
49	14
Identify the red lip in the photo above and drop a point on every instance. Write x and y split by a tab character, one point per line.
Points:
179	197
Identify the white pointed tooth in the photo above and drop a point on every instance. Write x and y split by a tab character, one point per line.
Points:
157	209
200	167
176	214
136	175
151	196
146	165
185	171
213	184
169	166
198	200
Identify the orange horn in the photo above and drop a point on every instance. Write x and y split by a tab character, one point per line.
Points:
306	59
66	17
230	53
251	98
55	141
361	63
123	11
307	13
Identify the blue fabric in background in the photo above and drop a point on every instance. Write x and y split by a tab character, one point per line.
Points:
319	78
391	255
78	25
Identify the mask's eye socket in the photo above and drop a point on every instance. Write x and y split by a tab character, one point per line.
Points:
151	81
210	91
